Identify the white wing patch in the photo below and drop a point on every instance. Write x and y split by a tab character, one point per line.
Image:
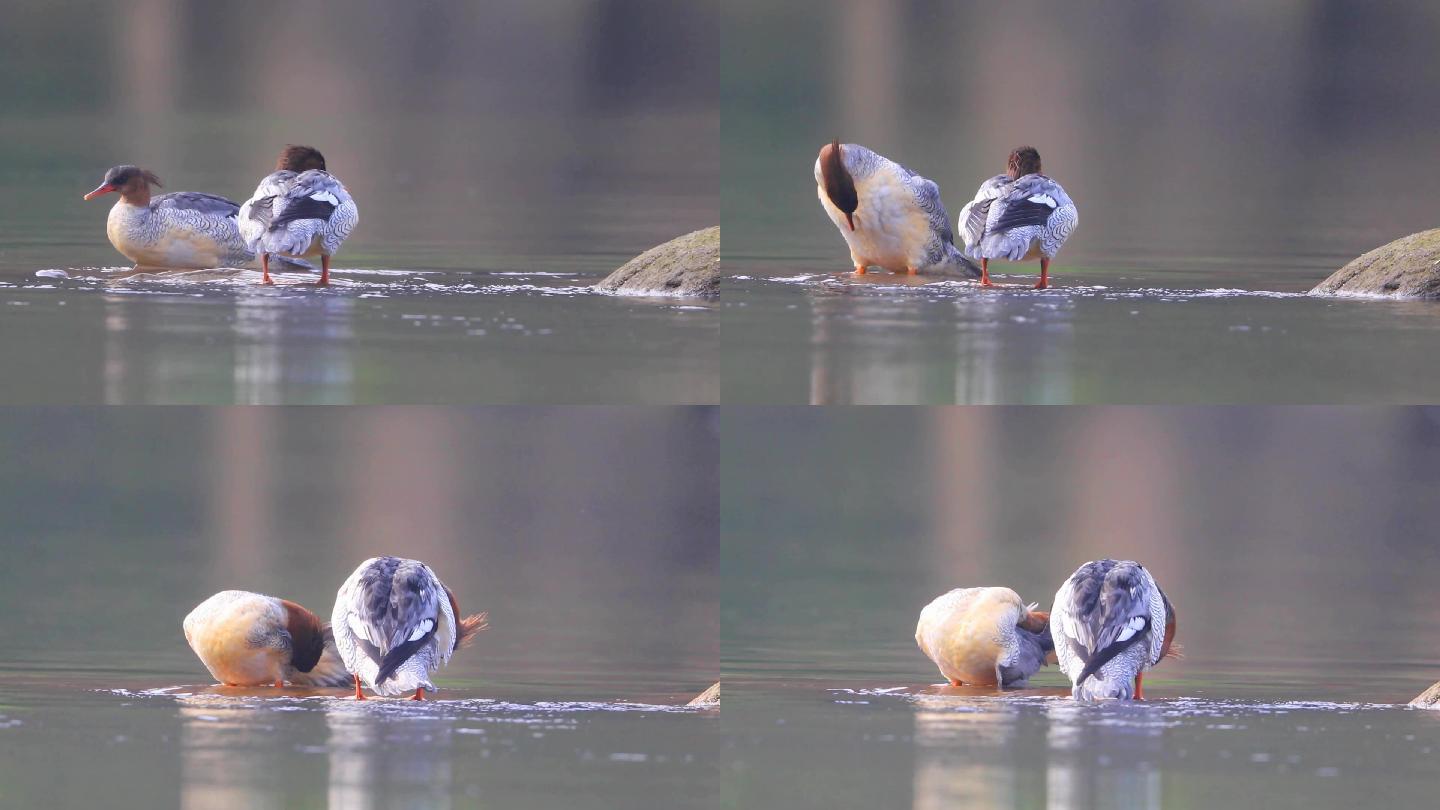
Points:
1135	625
1043	199
325	196
421	629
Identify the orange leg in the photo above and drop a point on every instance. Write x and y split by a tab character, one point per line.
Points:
956	682
279	683
419	693
324	272
265	268
1044	274
1139	689
358	694
911	271
985	273
859	269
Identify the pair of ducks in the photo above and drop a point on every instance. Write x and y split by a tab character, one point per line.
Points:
893	218
393	624
1109	624
300	210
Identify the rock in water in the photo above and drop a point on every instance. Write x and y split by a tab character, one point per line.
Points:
1409	267
1429	699
688	265
710	697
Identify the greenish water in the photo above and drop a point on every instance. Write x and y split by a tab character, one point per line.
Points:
503	159
599	579
1294	543
1216	178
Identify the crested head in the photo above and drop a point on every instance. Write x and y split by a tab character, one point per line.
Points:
1023	160
300	159
307	636
132	182
839	184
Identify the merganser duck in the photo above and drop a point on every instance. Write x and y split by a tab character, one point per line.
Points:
984	637
395	622
182	229
891	217
1111	623
298	210
1018	215
250	639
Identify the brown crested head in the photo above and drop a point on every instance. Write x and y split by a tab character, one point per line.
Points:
131	182
1024	160
839	185
307	636
1036	621
466	628
300	159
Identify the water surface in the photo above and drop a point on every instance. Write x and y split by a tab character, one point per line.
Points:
1292	542
503	159
1216	178
598	579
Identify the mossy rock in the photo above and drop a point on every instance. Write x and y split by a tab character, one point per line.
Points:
710	697
686	266
1429	699
1406	268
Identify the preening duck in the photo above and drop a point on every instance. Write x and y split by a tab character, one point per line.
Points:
1111	623
298	210
984	637
182	229
395	622
891	217
250	639
1019	215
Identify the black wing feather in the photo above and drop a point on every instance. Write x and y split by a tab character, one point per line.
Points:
401	654
305	208
1021	213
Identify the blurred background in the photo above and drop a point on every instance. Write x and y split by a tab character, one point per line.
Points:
469	133
1197	132
1295	543
504	156
588	535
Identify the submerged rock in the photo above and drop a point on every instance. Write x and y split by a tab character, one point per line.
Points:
1409	267
1429	699
710	697
688	265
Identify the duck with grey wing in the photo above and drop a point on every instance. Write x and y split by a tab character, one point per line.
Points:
298	210
395	622
891	217
250	639
985	637
1019	215
180	230
1111	623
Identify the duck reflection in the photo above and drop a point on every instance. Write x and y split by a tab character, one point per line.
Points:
280	348
386	754
874	348
229	758
1042	753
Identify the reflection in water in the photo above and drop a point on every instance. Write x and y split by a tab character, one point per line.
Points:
227	758
868	347
1072	757
1102	762
279	346
380	757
